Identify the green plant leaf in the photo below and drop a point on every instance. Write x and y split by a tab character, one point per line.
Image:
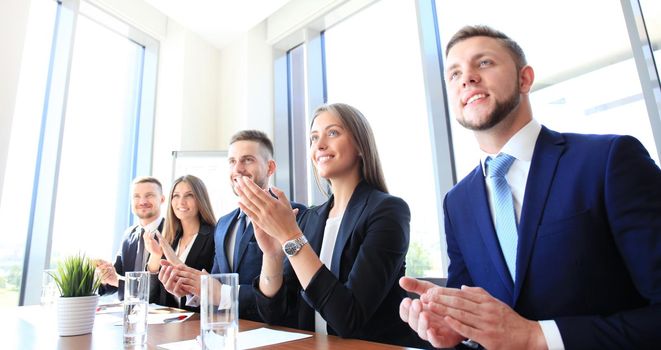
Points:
76	277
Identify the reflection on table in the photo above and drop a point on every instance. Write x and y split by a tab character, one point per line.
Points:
35	327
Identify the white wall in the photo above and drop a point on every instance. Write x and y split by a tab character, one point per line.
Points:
13	28
246	86
186	102
169	102
203	95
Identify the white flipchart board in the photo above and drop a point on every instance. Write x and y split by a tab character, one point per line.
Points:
212	168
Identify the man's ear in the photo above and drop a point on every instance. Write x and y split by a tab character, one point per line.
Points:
526	79
272	167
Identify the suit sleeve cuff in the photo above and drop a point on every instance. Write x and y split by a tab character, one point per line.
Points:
552	335
192	300
226	296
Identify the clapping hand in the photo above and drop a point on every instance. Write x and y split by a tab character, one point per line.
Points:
429	325
106	272
151	244
274	215
169	253
181	280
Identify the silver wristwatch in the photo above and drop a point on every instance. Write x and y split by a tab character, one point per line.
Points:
293	246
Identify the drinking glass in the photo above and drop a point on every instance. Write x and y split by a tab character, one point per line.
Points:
136	304
219	311
49	290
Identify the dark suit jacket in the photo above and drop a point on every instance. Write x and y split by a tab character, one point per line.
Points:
200	257
249	264
589	251
360	296
125	260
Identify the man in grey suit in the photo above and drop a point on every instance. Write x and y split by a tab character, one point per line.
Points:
133	255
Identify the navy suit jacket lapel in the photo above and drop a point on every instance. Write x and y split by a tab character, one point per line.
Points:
223	228
548	150
477	194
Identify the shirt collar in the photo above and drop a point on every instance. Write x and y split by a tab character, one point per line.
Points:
152	226
520	146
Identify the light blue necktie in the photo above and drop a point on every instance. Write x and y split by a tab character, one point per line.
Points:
503	204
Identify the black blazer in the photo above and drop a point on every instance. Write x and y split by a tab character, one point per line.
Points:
359	296
125	260
200	257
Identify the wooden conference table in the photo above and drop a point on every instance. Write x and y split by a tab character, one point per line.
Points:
35	327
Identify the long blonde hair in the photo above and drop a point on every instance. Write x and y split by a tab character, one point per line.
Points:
362	138
205	211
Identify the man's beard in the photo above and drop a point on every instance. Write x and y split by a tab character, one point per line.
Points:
263	183
147	215
502	110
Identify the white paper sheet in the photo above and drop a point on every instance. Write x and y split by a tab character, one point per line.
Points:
246	340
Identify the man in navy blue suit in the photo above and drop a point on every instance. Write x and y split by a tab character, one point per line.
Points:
250	154
555	238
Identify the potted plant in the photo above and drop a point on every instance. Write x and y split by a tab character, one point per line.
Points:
78	284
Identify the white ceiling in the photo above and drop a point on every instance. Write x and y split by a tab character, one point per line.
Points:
218	21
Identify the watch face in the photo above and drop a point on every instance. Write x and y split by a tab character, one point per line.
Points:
290	248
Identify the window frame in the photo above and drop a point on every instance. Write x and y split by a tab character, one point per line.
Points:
435	89
40	225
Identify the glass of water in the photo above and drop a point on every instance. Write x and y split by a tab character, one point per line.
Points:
136	304
49	290
219	311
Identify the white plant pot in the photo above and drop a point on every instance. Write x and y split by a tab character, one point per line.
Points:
75	315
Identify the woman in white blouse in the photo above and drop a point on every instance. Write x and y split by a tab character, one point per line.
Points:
340	269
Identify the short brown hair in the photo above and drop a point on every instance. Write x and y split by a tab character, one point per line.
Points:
468	32
255	136
148	179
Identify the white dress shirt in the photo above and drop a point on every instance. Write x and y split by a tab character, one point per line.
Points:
521	147
326	257
149	228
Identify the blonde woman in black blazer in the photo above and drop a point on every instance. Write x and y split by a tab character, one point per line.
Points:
353	293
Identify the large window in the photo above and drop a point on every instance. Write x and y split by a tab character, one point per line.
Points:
384	81
385	58
22	155
95	118
586	79
651	11
98	137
